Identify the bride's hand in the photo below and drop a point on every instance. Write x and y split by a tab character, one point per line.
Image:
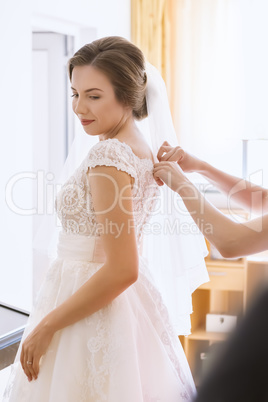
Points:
187	162
33	348
171	174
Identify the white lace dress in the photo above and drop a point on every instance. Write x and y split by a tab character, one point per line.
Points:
125	352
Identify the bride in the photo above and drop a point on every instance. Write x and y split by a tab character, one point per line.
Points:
100	330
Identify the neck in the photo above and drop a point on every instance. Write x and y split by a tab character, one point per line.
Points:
125	125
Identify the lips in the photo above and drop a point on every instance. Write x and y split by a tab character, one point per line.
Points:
86	122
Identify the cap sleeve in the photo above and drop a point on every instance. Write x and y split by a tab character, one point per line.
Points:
114	153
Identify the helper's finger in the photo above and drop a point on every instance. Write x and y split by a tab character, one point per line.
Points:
179	154
163	149
161	164
157	172
159	181
166	143
169	156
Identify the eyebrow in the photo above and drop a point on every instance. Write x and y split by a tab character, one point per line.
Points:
89	90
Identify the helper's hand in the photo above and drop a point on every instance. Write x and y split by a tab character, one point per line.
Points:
171	174
187	162
33	348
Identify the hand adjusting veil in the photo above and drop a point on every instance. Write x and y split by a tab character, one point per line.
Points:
173	246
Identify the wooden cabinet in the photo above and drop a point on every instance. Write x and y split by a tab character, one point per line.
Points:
232	285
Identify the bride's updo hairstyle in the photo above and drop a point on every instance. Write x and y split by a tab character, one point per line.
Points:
124	65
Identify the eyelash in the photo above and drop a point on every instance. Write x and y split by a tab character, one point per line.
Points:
91	97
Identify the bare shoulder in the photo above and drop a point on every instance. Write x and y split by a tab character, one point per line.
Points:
139	147
142	150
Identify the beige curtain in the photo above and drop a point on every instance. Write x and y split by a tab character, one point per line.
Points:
209	74
152	33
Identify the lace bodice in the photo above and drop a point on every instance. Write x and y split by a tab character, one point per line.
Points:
74	201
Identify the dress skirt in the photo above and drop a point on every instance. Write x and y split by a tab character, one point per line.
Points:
125	352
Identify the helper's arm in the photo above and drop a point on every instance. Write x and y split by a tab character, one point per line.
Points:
250	196
232	239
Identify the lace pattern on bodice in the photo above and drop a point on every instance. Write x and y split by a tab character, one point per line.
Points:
74	201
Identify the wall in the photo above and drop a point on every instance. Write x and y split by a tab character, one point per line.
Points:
85	19
108	17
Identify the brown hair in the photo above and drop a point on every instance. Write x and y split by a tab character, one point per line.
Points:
123	63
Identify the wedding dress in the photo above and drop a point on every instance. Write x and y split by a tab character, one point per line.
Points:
126	351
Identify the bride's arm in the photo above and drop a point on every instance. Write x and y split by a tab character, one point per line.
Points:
232	239
112	200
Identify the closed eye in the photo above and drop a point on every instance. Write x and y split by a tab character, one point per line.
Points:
91	97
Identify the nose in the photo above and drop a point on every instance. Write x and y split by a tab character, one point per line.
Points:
79	106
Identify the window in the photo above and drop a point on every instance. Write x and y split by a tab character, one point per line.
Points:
222	82
53	124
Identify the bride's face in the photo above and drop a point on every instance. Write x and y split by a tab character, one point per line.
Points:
95	104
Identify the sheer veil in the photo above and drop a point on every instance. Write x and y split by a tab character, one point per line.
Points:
173	245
